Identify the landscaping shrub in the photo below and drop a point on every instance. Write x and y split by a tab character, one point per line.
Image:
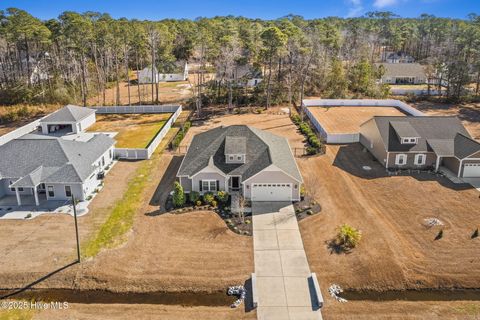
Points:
194	196
348	237
208	198
296	119
311	151
214	203
178	195
198	203
222	196
314	142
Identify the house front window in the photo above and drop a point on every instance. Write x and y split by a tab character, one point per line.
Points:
51	193
209	185
401	159
68	191
420	159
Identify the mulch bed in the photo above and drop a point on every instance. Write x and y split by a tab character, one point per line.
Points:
306	208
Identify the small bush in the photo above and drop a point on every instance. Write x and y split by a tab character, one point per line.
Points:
214	203
348	237
198	203
193	196
311	151
178	195
314	142
28	216
309	212
208	197
296	119
222	197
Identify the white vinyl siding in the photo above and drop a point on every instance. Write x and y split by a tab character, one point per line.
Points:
401	159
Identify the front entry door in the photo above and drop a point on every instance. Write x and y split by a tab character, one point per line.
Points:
235	183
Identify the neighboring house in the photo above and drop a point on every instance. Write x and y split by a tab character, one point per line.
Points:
402	73
241	75
422	143
69	119
146	76
243	159
51	168
398	57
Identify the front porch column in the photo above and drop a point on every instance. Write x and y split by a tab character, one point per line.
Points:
35	194
438	163
19	201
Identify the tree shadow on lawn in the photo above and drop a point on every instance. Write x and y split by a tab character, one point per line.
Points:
352	159
163	189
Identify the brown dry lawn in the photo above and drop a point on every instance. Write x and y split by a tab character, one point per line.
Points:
163	312
273	120
469	113
134	130
396	251
349	119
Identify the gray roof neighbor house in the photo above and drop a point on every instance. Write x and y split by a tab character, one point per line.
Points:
37	158
69	113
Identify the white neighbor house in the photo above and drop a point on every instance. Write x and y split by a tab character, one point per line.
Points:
43	167
145	76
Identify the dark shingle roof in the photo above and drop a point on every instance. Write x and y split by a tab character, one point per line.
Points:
34	158
402	70
404	129
262	150
445	136
68	113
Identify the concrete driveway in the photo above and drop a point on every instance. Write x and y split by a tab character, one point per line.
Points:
283	287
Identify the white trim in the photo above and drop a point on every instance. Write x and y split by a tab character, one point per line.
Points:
403	157
417	157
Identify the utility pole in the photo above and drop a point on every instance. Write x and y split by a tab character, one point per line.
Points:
76	226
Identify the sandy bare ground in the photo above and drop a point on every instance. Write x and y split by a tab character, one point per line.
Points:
396	251
349	119
121	311
273	121
469	113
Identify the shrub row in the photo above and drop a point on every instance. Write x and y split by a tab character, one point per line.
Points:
307	131
181	134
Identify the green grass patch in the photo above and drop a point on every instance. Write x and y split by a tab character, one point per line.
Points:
470	309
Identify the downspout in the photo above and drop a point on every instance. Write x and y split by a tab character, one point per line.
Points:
460	168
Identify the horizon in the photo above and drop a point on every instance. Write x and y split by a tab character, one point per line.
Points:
267	10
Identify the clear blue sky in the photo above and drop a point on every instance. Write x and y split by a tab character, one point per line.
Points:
266	9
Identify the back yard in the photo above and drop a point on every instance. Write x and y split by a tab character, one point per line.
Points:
134	130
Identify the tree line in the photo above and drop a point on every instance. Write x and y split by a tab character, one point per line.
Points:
80	55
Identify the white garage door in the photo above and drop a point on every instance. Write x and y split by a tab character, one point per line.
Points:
272	192
471	170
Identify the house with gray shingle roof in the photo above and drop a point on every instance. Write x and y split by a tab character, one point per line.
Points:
69	119
243	159
402	73
49	166
422	143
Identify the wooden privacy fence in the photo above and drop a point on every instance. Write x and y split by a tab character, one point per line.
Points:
351	137
141	154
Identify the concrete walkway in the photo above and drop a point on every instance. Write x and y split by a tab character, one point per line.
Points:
283	285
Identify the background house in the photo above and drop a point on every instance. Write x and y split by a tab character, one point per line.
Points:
402	73
241	159
398	57
241	75
145	76
422	143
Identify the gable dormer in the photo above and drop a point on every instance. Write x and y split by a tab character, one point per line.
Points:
235	149
405	132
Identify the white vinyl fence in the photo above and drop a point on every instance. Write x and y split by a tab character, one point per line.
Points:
32	126
140	154
351	137
415	92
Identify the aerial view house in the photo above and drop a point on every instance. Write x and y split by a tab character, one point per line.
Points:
428	142
242	159
57	160
402	73
69	119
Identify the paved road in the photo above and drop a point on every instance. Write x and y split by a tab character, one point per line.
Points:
281	266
